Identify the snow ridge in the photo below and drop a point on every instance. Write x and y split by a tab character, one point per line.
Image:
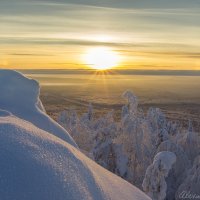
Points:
20	96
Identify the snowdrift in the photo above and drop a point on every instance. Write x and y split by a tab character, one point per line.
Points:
39	160
20	96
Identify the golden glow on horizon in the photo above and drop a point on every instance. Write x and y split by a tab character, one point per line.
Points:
140	35
101	58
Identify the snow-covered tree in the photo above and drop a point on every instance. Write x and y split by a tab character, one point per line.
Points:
179	170
190	188
127	146
132	102
105	131
154	183
190	142
68	119
158	125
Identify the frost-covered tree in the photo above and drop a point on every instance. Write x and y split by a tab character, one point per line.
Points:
190	142
68	119
81	129
105	131
127	146
137	145
179	170
190	188
158	125
132	102
90	112
136	139
154	183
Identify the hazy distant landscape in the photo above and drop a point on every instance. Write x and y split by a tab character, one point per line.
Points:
177	95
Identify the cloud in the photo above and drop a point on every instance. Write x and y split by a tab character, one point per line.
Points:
82	42
131	3
163	53
42	17
29	54
136	28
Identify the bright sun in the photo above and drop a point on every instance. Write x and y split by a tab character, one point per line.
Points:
101	58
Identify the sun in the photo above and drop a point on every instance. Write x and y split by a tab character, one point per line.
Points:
101	58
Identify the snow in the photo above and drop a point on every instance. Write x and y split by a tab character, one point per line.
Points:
20	96
190	186
132	101
127	147
154	182
166	159
180	168
38	165
4	113
39	160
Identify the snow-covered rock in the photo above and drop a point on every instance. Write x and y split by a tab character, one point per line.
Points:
39	160
20	96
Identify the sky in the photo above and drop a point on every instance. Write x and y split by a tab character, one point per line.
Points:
145	34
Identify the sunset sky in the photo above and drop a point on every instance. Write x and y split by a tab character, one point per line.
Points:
144	34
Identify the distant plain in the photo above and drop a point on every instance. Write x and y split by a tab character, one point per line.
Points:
178	95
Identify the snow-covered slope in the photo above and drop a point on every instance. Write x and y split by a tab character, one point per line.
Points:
20	96
37	165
